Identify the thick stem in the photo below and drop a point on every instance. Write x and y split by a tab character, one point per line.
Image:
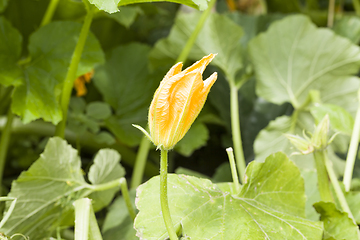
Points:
351	156
126	196
4	144
49	12
322	176
163	196
235	127
186	50
140	162
82	218
234	173
71	74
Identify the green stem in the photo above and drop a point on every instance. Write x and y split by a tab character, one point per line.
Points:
235	127
331	10
140	162
163	195
49	12
294	119
322	176
4	144
335	183
187	48
351	156
234	173
126	196
94	230
356	5
82	218
71	74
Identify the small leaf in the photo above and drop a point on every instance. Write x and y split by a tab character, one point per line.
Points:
106	168
126	16
337	224
98	110
270	205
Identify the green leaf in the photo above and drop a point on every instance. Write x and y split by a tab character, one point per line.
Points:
270	205
10	50
118	224
125	84
46	191
51	48
337	224
194	139
219	35
189	172
340	119
98	110
222	173
305	58
311	192
349	27
353	199
111	6
126	16
3	4
106	168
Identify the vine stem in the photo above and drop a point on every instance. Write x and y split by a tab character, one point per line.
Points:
235	128
163	195
126	196
49	12
187	48
71	74
322	176
140	162
351	156
4	144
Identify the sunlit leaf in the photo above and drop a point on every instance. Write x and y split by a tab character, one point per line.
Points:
270	205
290	61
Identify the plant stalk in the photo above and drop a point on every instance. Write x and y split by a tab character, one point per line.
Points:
163	195
235	127
82	218
331	12
140	162
4	144
126	196
322	176
351	156
189	44
71	74
234	173
49	12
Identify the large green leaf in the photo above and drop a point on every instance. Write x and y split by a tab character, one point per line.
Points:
111	6
337	224
219	35
10	50
290	61
105	169
125	84
270	205
51	48
46	191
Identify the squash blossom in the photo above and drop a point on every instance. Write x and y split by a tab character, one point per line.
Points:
177	102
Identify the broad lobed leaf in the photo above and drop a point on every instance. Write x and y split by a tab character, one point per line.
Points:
270	205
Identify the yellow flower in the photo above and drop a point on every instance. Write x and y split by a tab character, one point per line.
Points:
79	83
177	102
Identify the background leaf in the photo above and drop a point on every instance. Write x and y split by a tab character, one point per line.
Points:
337	224
303	59
10	50
126	84
271	204
3	4
349	27
50	49
126	16
105	169
219	35
195	138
